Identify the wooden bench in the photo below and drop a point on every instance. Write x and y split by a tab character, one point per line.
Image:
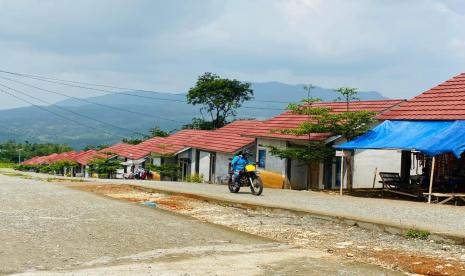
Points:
393	183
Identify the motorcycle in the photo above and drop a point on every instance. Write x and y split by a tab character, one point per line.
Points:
247	178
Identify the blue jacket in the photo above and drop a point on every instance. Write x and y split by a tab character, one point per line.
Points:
238	163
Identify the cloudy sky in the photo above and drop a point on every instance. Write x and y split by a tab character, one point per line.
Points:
399	48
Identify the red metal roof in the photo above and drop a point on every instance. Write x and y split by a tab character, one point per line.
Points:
445	101
132	152
227	139
54	157
287	120
171	144
85	157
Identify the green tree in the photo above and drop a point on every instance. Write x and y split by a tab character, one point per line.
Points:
9	150
170	170
157	132
153	132
59	166
347	94
99	147
347	125
219	97
104	167
199	123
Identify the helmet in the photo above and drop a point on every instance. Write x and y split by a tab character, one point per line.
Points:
246	152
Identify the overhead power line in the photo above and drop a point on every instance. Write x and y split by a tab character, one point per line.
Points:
73	112
57	114
80	85
91	102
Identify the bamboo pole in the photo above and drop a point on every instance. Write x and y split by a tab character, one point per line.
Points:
342	174
431	177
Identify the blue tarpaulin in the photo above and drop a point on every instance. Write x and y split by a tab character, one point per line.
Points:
430	137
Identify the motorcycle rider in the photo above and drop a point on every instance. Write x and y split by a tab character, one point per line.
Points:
238	164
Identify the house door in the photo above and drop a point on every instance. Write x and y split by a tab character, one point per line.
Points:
211	177
314	175
328	174
184	165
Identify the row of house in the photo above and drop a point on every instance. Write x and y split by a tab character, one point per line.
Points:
208	153
82	158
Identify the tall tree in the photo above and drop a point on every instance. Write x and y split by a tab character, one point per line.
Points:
347	95
348	125
219	97
153	132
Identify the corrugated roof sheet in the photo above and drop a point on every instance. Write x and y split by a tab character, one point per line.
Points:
85	157
132	152
445	101
287	120
228	139
171	144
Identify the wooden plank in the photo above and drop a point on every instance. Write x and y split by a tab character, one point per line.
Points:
446	200
401	193
374	178
446	194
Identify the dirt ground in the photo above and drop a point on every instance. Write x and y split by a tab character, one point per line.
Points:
426	257
49	229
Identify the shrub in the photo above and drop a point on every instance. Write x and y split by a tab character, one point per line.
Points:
165	170
417	234
60	165
104	167
195	178
27	168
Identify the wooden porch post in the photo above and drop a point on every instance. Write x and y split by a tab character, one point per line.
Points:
342	174
431	177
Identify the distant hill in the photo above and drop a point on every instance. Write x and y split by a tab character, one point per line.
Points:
35	125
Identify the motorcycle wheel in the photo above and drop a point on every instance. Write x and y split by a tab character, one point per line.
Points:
257	186
233	188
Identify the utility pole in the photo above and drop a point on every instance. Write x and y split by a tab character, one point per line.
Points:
19	155
309	88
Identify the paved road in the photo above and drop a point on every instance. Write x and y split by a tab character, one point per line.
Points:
46	228
441	219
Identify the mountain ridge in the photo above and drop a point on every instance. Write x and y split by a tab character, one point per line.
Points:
35	125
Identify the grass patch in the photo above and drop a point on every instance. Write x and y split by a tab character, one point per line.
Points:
7	165
417	234
13	174
54	179
194	178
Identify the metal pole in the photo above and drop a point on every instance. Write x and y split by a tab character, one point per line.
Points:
341	184
431	177
19	155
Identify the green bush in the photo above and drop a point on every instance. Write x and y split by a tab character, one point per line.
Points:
194	178
27	168
165	170
417	234
104	167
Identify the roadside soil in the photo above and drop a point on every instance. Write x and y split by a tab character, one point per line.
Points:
416	256
49	229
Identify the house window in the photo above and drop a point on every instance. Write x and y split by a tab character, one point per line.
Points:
261	158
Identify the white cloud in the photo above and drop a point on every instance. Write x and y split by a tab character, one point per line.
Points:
397	47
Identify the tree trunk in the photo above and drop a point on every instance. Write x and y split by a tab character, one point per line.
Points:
349	172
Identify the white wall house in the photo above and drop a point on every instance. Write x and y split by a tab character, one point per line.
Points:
214	166
287	173
212	152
